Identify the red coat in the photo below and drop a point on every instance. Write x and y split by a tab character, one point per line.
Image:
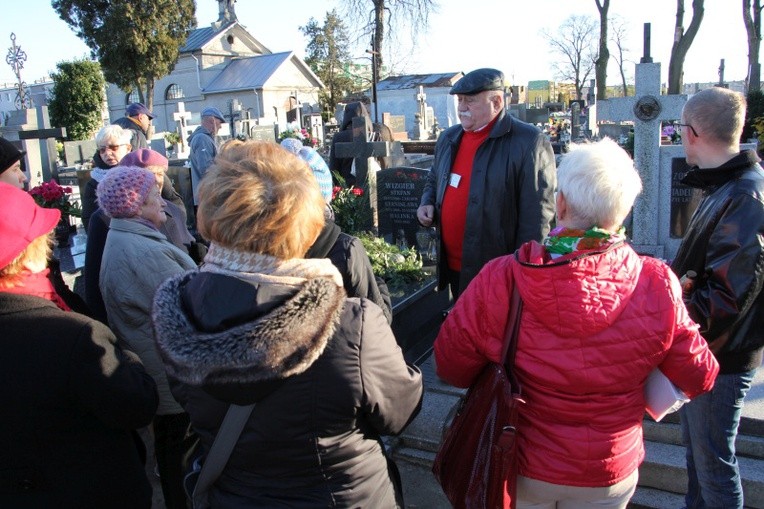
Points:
592	330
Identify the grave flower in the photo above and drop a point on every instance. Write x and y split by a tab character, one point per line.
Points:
51	195
302	134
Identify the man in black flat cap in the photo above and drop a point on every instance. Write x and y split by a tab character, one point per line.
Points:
491	185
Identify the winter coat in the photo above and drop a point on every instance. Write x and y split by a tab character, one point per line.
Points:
592	329
174	229
89	197
203	151
325	371
138	139
136	260
347	253
70	398
724	245
511	198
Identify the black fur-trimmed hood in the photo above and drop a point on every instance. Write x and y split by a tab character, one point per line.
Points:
283	341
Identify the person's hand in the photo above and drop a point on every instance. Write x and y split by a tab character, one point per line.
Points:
425	214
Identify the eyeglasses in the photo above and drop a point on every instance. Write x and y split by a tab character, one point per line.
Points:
677	125
113	148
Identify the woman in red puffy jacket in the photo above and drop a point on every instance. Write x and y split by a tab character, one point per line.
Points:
597	319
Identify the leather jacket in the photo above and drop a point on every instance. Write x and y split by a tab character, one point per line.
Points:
724	245
511	198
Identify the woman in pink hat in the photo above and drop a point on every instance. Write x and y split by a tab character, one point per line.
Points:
71	397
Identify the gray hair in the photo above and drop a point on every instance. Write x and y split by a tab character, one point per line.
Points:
599	183
718	114
113	133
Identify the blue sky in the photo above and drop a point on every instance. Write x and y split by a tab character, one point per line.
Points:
462	36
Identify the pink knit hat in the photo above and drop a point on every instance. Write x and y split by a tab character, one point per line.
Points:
124	189
144	158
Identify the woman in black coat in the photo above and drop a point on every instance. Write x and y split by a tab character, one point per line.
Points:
259	323
71	398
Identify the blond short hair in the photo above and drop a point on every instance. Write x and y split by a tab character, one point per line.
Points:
37	252
717	113
257	197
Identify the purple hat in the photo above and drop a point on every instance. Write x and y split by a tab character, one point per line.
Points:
21	221
123	190
9	154
138	108
144	158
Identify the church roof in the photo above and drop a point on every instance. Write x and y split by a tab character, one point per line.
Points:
198	38
247	73
408	81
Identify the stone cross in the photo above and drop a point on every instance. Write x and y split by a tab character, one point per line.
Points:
648	108
183	117
363	151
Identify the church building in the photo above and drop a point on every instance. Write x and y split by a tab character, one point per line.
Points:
224	66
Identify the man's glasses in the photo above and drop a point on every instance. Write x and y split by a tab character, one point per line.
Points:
677	125
113	148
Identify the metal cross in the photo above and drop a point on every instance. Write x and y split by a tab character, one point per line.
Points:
16	58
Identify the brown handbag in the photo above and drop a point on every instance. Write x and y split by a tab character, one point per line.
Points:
476	464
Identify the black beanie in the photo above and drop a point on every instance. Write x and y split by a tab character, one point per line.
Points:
9	154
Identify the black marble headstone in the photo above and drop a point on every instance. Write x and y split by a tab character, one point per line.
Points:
262	133
684	199
399	190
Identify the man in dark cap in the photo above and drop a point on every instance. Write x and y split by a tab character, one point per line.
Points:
138	120
491	185
10	164
203	146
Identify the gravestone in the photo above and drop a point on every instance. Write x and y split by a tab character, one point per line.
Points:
397	124
398	193
684	199
79	152
364	153
648	108
39	163
263	133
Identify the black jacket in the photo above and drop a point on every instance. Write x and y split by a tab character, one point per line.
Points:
724	245
511	197
325	371
139	139
70	398
347	253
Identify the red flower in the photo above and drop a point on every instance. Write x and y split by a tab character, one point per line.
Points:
357	191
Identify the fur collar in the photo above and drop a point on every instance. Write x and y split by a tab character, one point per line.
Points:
284	342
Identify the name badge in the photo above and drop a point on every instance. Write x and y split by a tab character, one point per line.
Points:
453	181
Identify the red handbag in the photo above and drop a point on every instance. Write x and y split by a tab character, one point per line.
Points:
476	464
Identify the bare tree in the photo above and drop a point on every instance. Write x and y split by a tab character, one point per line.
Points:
619	35
752	20
682	42
604	54
382	17
573	41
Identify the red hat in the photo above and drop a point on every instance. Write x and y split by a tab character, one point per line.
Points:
144	158
21	221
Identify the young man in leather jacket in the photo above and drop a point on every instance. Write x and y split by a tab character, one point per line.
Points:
723	246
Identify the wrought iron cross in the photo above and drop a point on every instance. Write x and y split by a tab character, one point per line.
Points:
16	58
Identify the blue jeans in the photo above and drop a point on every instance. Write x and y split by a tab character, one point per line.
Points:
709	427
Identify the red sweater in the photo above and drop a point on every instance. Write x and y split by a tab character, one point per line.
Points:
454	211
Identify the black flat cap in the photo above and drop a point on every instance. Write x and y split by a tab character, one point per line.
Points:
478	81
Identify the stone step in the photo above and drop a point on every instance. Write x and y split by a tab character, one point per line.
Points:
648	498
749	446
664	469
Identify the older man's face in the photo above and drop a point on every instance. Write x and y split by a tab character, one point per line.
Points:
476	111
